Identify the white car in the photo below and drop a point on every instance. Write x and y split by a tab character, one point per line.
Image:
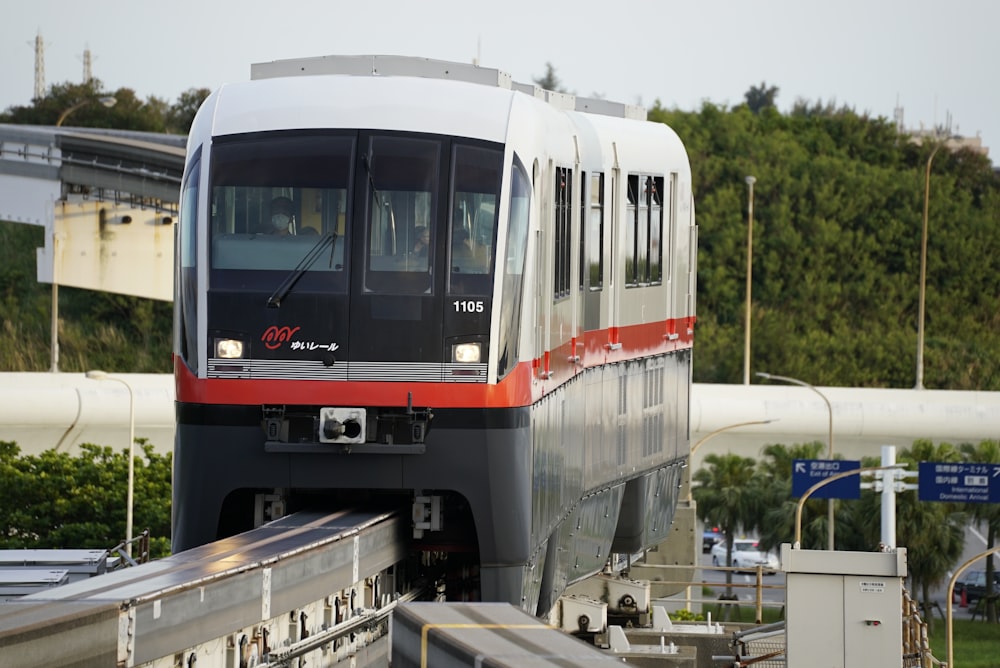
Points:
746	555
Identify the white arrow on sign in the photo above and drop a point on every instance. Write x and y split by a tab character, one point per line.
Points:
800	467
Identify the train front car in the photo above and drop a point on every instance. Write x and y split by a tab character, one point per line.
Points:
432	292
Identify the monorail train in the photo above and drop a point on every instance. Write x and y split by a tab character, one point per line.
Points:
420	280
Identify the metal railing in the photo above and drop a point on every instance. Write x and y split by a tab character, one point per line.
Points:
140	548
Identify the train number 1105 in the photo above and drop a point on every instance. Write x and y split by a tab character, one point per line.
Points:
470	306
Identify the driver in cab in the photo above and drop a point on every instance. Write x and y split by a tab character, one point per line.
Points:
282	221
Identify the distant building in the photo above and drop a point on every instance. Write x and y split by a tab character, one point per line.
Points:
953	142
952	139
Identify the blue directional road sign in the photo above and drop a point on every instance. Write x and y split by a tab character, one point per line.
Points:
959	482
808	472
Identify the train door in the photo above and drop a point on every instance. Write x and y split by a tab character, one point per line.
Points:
592	258
394	314
540	182
614	243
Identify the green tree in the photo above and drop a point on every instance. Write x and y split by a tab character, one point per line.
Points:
986	452
87	110
56	500
777	506
726	498
761	97
549	81
181	114
838	208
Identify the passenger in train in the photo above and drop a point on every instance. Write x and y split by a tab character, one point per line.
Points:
423	242
461	248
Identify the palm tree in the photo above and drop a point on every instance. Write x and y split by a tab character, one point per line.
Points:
726	497
987	452
774	481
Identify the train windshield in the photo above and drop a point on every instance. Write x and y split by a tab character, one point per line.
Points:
475	188
390	213
273	200
403	176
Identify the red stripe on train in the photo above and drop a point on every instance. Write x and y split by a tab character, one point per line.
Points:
527	383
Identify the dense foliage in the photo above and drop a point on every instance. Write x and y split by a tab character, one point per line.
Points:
838	211
58	500
90	106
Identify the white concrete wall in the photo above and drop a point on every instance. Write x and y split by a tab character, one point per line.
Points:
46	410
864	419
62	410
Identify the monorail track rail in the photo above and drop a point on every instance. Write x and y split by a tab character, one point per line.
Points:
306	583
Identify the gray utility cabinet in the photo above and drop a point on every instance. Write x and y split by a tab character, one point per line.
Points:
843	608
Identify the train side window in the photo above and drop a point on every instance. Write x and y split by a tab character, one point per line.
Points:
513	269
595	233
582	259
631	232
186	277
563	216
644	231
656	230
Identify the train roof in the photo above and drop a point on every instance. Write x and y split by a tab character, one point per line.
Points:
385	93
382	66
373	103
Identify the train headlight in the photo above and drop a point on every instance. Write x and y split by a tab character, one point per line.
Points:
228	349
466	353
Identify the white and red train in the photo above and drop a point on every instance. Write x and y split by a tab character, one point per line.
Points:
422	281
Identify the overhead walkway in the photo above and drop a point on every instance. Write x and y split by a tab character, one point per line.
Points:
63	410
106	198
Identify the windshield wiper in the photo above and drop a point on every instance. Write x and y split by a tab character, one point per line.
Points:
274	301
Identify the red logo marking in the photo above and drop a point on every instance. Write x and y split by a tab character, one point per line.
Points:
274	336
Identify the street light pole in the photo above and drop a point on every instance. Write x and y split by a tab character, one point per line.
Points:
108	101
829	409
101	375
54	326
746	341
701	441
923	272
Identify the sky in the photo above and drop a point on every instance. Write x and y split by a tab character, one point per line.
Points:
935	61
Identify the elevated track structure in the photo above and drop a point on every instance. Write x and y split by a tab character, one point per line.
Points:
306	586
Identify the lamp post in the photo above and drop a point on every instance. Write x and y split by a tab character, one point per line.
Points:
712	434
829	409
746	341
108	101
923	272
701	441
101	375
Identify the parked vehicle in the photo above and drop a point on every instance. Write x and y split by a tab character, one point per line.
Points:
973	583
747	555
709	538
